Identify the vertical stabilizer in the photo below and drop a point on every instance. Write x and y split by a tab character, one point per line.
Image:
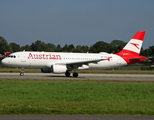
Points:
135	44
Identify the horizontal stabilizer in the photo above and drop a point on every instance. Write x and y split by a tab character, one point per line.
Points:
137	58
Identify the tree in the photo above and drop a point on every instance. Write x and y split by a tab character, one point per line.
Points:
70	48
148	52
58	48
65	48
78	49
85	48
38	46
4	47
14	47
100	46
117	45
51	47
26	48
151	51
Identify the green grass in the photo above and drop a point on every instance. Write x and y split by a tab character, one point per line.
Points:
48	97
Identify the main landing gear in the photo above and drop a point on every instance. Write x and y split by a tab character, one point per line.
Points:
67	73
75	74
22	71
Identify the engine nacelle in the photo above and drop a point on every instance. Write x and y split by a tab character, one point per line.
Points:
58	69
46	70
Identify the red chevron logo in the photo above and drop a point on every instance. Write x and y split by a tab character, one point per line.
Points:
109	58
136	45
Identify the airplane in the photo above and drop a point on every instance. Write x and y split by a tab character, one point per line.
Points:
58	62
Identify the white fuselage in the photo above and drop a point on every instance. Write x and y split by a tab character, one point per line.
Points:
58	62
46	59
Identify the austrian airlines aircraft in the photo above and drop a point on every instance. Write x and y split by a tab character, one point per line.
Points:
57	62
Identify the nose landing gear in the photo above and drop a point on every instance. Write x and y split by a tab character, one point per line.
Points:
22	71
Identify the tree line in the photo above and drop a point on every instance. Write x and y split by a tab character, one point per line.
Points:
114	47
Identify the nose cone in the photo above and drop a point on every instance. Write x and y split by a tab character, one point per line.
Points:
4	61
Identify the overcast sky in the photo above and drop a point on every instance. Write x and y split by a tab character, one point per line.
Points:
78	22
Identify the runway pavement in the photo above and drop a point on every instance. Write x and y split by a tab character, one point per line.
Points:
87	77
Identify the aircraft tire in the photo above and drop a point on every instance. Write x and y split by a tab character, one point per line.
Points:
21	74
67	74
75	74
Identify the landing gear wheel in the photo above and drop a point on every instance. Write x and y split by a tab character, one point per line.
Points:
75	74
21	74
22	71
67	74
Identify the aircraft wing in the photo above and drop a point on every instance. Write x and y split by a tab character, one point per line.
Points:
85	62
73	65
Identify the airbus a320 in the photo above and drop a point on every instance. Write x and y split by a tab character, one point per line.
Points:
58	62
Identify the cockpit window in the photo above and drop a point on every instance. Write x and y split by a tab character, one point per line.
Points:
12	56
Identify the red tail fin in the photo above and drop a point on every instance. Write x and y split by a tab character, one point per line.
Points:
130	53
134	45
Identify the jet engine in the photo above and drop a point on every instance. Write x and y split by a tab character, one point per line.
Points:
57	69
